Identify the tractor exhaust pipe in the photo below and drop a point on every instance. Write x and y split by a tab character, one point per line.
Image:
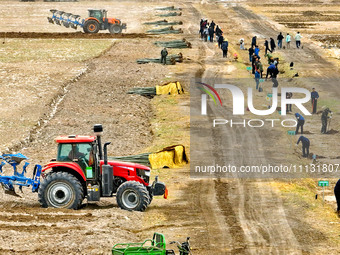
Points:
105	152
107	175
98	131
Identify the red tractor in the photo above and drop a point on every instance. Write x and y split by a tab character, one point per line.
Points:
81	170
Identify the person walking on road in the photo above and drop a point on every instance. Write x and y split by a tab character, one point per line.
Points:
288	39
257	79
337	197
259	67
251	52
164	54
305	146
253	60
218	31
289	95
314	96
324	120
205	34
253	41
242	44
279	40
266	45
301	122
257	51
298	40
211	32
224	48
213	24
220	41
272	45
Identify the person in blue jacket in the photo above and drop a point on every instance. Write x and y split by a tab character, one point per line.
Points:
301	122
257	51
305	145
314	96
337	196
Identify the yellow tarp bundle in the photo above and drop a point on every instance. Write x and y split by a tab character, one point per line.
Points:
170	157
172	88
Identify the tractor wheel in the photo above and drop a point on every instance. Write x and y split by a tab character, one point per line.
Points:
91	27
132	196
61	190
151	197
115	29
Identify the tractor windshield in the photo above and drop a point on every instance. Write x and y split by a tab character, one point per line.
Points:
77	152
96	14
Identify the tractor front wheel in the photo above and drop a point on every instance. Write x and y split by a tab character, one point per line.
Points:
61	190
132	196
91	27
115	29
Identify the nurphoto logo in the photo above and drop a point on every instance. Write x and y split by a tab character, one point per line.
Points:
238	99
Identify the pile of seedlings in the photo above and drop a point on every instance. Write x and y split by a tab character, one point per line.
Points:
163	23
142	159
166	30
180	44
149	92
170	14
170	8
170	88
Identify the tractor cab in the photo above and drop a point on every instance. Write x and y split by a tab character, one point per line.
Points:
77	149
98	14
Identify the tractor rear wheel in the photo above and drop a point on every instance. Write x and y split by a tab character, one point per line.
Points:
115	29
132	196
91	27
61	190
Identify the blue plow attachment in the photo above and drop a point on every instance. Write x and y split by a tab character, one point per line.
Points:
19	179
66	19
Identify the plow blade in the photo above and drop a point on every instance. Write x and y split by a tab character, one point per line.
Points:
50	20
65	19
9	190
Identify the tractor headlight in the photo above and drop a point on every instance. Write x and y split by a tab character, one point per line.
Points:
144	174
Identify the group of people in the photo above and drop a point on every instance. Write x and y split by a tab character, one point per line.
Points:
208	32
325	117
270	45
257	67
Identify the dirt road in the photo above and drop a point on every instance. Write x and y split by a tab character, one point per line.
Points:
253	213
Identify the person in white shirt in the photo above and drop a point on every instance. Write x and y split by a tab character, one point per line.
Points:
288	39
298	40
